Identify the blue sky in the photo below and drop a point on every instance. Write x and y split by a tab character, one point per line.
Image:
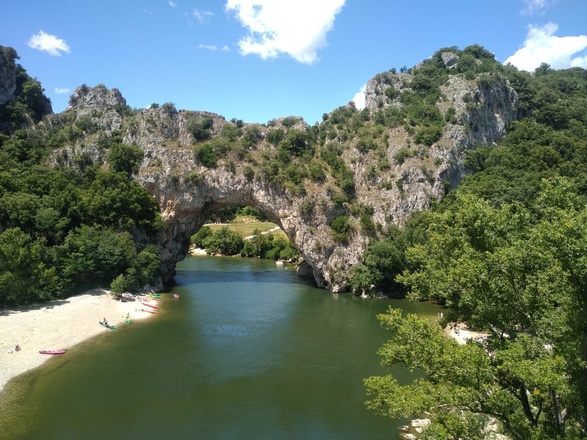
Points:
257	60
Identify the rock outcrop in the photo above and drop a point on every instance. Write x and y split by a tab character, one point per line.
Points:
7	74
188	193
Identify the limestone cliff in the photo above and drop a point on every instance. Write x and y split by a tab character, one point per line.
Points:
388	174
7	74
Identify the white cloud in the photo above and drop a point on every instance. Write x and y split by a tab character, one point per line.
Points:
542	46
297	28
579	62
172	3
48	43
62	90
201	15
225	48
359	98
534	6
207	47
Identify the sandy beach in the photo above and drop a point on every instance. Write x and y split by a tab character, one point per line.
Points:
57	325
461	333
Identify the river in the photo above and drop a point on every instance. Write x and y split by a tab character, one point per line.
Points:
249	351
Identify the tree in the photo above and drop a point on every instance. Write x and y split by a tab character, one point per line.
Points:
206	155
198	238
519	275
26	272
125	158
224	242
296	142
201	129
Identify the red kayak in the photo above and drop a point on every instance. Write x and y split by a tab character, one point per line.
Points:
149	305
51	351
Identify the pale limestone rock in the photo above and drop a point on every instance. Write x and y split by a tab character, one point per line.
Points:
168	170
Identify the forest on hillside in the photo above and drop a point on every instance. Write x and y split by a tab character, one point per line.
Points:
505	251
62	230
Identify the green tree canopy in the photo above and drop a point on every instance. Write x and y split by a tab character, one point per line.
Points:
519	275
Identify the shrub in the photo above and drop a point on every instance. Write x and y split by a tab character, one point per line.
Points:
391	93
230	131
251	136
206	155
275	136
193	177
403	154
200	128
290	121
428	135
249	173
317	172
341	228
198	238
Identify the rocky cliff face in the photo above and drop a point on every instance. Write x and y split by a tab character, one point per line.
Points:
188	192
7	76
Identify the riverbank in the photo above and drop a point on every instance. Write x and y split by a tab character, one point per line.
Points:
57	325
462	333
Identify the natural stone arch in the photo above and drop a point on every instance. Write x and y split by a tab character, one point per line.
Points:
188	192
187	205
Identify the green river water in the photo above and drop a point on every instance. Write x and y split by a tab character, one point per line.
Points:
249	351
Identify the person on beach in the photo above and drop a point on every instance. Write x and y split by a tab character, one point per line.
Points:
105	321
17	348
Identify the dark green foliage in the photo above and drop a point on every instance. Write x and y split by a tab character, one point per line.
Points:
114	201
268	246
198	238
231	131
224	242
290	121
341	228
307	208
512	271
144	269
206	155
296	142
275	136
169	108
94	254
383	261
29	104
26	272
391	93
251	136
316	172
428	135
249	173
230	213
201	128
331	154
125	158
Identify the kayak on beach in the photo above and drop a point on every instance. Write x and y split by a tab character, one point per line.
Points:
52	351
111	327
149	305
